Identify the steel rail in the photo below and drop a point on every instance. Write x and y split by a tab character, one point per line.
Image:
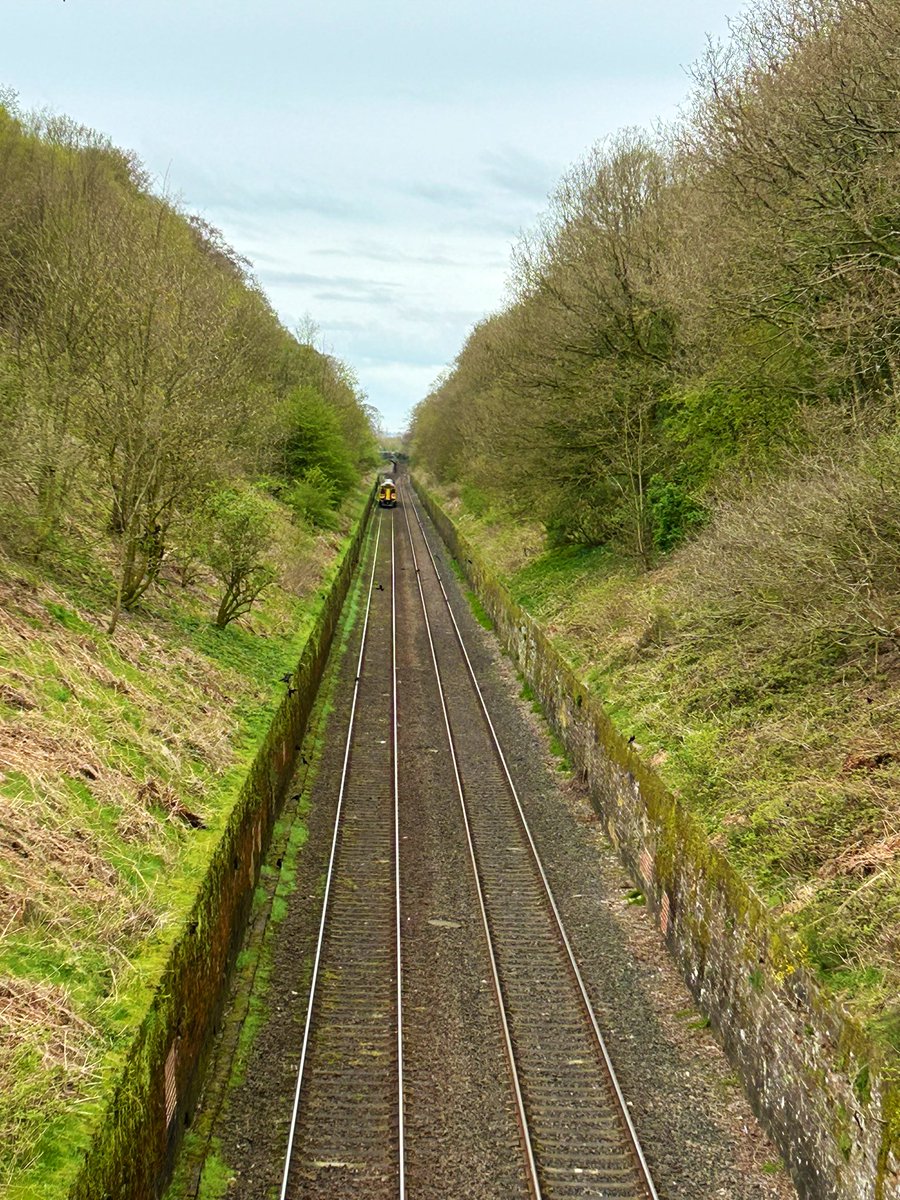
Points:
532	1171
398	951
289	1153
570	954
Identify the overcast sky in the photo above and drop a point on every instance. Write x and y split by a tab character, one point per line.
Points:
375	161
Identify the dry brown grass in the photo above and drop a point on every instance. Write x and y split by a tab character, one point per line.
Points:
48	1057
64	1040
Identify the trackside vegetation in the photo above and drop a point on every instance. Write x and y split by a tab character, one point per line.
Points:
678	445
178	477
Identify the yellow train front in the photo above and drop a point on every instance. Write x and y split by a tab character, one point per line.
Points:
387	494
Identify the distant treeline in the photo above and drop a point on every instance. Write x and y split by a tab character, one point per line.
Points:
701	304
145	382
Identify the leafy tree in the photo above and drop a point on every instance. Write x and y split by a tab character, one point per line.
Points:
689	300
315	440
792	136
174	384
54	251
557	397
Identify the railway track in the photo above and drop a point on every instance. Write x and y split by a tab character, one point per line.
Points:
347	1136
346	1131
577	1134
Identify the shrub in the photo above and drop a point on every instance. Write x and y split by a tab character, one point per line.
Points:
674	513
240	536
312	497
813	553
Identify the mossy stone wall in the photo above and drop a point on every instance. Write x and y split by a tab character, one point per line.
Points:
828	1094
132	1151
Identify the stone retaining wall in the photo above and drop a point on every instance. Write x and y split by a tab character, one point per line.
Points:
132	1152
828	1094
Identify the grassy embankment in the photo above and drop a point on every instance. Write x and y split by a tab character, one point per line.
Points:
120	759
736	668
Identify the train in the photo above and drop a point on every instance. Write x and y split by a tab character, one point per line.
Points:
387	494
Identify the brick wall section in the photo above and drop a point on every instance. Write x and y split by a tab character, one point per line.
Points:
131	1154
828	1095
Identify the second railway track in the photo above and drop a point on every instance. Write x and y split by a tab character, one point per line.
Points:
575	1136
576	1122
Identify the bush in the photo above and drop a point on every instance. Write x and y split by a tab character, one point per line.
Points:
674	513
240	535
707	427
312	498
814	552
